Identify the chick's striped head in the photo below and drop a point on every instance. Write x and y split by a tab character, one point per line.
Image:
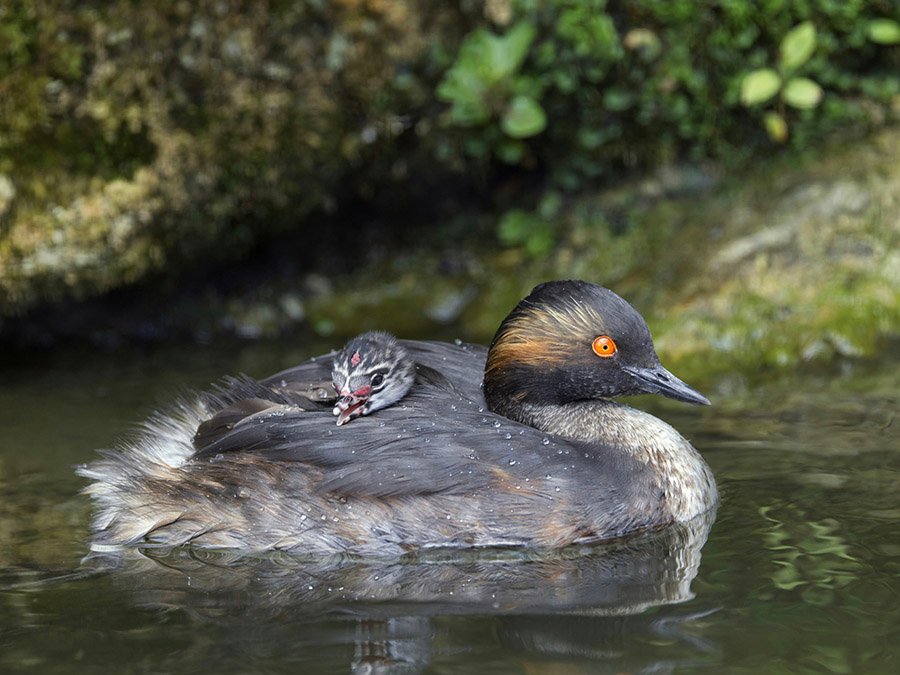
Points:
371	372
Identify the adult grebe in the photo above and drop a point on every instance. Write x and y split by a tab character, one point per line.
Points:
538	457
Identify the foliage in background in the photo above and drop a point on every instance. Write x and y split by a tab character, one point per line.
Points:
761	85
486	89
612	86
802	93
535	230
609	86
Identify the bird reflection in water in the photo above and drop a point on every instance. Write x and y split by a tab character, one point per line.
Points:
580	604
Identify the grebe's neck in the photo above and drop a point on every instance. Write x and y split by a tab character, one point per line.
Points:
687	480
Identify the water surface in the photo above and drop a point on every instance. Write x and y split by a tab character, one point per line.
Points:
799	571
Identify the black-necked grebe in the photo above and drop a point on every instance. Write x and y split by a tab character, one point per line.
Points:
371	372
539	456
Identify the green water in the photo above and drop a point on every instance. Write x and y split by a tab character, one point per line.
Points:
799	572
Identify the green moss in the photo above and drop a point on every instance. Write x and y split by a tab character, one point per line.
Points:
145	139
808	274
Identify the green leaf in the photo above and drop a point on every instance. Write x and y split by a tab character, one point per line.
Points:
523	118
644	41
521	228
484	62
618	99
540	241
884	31
507	52
464	87
514	226
550	204
510	151
776	127
803	93
759	86
798	45
468	95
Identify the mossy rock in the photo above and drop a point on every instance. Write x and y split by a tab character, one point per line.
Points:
797	264
148	138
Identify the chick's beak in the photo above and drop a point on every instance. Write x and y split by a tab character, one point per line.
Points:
351	405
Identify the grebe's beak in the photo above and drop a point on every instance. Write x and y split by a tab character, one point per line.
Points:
658	380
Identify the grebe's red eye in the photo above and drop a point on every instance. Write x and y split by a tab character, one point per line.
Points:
604	346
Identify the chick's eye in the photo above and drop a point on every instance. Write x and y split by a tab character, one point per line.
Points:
377	379
604	346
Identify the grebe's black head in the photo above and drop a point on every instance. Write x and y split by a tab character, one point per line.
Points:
573	340
371	372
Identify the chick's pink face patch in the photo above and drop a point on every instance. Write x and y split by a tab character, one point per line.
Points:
355	359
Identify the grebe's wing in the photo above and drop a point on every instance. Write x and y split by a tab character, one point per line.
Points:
380	467
240	400
424	444
432	442
460	364
310	380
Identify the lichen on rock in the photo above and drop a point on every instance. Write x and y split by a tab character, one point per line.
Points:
146	138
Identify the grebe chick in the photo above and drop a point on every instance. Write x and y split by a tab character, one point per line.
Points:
538	455
371	372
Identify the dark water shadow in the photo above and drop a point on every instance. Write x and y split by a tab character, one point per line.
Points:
579	604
